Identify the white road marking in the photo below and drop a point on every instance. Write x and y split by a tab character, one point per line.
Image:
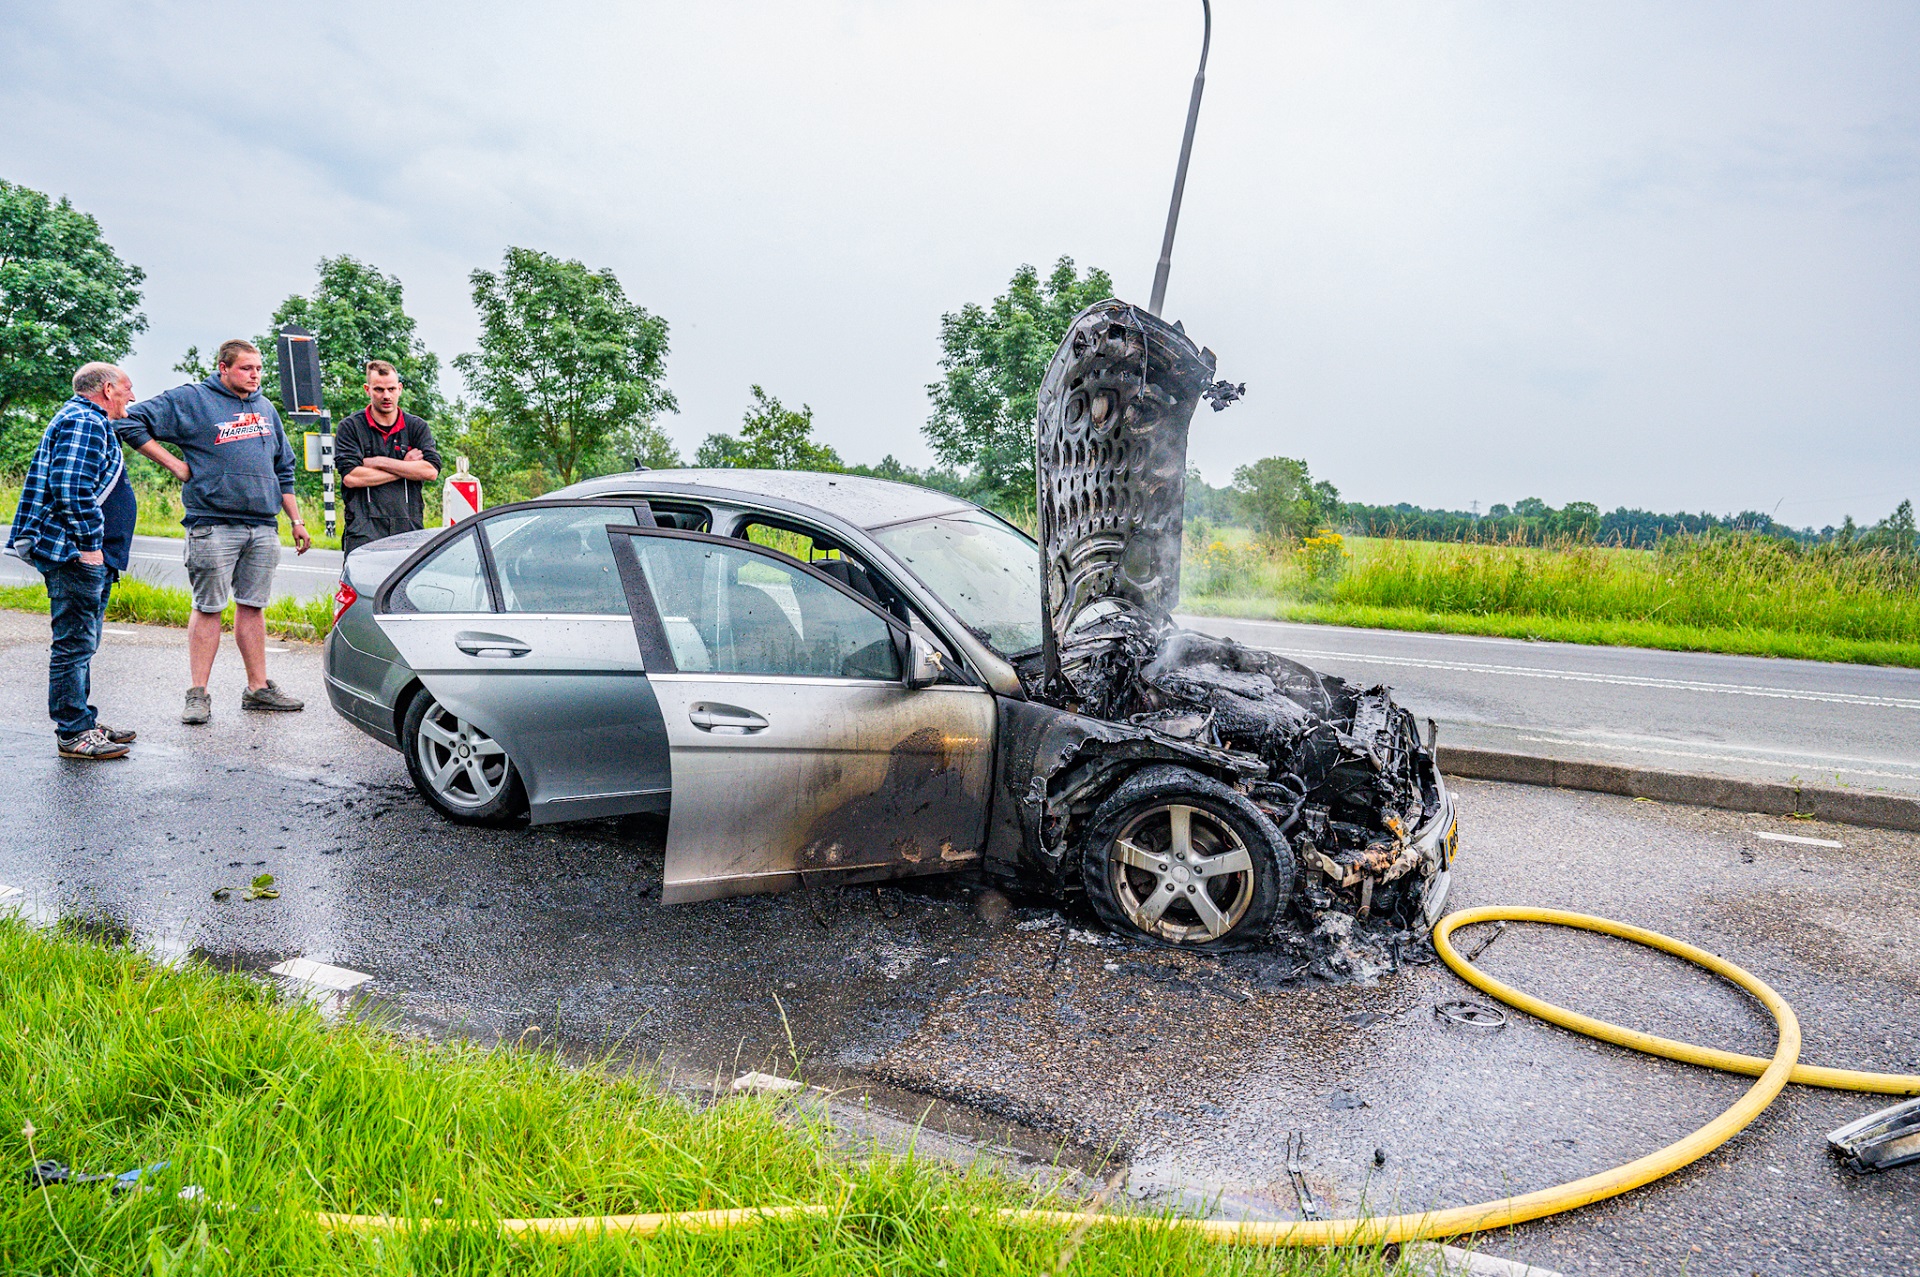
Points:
1614	680
320	974
6	891
121	633
1813	761
764	1084
1451	1261
1796	838
283	565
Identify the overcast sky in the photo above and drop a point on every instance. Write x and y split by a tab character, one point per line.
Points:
1664	255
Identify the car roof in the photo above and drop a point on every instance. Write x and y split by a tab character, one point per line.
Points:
861	501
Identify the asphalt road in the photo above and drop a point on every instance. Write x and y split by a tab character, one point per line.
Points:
1743	716
159	559
1195	1069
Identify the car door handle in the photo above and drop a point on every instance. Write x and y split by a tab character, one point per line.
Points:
476	644
731	719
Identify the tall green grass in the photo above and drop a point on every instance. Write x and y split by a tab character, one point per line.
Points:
136	601
1728	593
273	1114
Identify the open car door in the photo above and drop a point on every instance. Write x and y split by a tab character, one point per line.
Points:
799	751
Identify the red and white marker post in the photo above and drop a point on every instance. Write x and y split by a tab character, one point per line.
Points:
460	499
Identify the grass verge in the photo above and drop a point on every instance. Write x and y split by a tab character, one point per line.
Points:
275	1113
1745	595
138	602
1556	629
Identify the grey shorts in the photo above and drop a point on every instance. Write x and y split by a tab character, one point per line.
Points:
231	559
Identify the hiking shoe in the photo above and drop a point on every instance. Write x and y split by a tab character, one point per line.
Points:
199	706
118	735
91	744
270	697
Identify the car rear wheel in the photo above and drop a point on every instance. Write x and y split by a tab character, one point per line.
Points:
459	769
1180	859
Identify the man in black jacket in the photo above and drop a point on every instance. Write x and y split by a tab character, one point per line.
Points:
385	458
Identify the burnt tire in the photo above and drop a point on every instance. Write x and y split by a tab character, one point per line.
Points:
462	772
1177	858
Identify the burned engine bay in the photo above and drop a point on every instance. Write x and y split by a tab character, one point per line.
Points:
1340	771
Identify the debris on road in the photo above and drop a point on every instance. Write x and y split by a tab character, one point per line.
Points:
1471	1015
1879	1141
1296	1150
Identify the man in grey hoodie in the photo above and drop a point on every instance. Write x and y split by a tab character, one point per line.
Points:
236	478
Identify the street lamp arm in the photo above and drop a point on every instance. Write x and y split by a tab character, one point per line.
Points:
1180	174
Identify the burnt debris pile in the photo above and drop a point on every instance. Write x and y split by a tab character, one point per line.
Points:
1341	770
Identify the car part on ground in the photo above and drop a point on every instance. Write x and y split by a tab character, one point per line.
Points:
1879	1141
1773	1076
1339	770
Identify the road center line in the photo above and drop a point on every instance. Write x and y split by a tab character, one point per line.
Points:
1612	680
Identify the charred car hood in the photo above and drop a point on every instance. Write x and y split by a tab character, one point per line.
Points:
1340	769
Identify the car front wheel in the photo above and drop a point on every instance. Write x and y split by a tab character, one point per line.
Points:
459	769
1179	858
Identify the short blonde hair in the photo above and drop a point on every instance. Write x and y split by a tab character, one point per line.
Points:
232	350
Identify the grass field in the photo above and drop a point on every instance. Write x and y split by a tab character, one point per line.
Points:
139	602
1745	595
273	1113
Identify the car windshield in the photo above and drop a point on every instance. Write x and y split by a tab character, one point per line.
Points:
983	569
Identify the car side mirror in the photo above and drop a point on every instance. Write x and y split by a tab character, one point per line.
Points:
925	665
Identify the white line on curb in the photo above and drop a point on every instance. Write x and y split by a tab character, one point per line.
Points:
764	1083
320	974
1451	1261
1804	842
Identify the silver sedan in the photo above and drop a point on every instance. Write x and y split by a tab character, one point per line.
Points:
815	678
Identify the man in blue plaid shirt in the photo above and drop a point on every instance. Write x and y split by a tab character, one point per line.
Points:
75	524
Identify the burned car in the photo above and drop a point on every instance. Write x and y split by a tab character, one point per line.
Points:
823	678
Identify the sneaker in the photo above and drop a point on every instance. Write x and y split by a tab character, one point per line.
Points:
270	697
118	735
199	706
91	744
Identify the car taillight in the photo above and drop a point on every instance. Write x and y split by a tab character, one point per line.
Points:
343	598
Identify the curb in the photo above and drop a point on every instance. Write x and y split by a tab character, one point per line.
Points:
1842	806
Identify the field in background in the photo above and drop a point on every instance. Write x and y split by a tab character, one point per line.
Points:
271	1113
138	602
1737	594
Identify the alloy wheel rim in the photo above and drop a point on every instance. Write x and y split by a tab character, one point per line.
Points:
465	767
1181	874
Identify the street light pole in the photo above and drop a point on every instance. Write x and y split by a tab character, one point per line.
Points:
1180	174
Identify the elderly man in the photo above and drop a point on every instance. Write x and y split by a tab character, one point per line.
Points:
75	524
237	478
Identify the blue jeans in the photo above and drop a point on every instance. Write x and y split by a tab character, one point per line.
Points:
78	594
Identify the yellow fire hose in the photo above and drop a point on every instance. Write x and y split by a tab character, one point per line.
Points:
1773	1075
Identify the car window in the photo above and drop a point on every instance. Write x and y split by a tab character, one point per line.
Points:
730	610
558	559
981	568
451	581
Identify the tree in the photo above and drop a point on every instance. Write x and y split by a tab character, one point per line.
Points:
66	298
772	437
356	314
569	366
994	357
1281	499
